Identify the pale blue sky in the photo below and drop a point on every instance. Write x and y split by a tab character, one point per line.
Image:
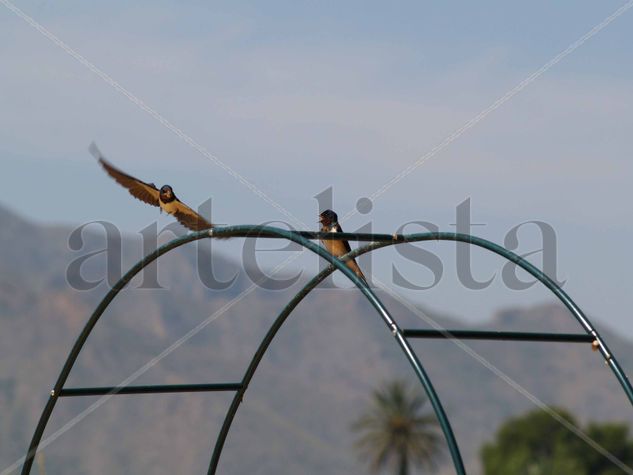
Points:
301	96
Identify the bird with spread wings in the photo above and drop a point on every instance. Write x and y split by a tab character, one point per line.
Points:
164	198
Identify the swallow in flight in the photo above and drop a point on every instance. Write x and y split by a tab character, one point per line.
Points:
147	192
338	248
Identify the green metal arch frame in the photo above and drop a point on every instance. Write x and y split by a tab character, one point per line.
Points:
304	239
390	240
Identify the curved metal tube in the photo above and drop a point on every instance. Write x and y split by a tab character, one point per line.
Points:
244	231
83	336
302	238
336	263
390	241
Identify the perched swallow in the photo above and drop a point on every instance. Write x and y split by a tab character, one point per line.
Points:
147	192
338	248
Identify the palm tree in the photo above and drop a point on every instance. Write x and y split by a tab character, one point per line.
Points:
395	431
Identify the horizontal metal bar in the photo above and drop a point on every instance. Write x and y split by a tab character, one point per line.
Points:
498	335
169	388
350	236
238	231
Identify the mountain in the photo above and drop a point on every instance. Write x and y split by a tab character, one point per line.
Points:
314	380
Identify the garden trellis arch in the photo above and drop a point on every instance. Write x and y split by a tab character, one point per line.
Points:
305	239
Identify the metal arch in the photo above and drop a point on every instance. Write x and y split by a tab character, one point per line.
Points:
303	239
247	231
378	241
384	241
276	326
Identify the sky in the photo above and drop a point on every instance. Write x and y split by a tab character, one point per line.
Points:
298	97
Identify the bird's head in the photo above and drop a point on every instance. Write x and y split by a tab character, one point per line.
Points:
166	193
328	218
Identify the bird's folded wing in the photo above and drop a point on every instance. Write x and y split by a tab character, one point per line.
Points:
344	242
146	192
189	218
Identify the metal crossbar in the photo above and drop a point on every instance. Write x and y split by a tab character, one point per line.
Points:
496	335
157	388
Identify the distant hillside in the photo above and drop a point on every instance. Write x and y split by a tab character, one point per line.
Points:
310	386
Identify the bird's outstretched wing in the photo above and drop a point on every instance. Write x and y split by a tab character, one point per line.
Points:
189	218
146	192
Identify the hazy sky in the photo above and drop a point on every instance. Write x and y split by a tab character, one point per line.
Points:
298	97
